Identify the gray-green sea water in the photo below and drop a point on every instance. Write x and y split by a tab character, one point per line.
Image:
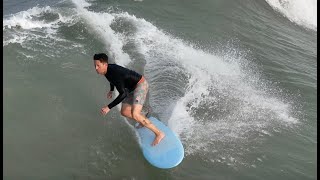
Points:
234	79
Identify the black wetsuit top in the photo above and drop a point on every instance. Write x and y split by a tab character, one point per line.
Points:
125	80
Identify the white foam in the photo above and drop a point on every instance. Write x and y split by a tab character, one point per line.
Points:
301	12
100	24
15	39
26	19
17	26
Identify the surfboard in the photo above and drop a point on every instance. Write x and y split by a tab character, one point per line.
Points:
168	153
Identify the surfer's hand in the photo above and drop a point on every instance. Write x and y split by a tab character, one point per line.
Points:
109	95
105	110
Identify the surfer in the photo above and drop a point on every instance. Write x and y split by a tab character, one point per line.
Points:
132	88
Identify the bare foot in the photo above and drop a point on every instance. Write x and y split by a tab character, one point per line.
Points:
158	138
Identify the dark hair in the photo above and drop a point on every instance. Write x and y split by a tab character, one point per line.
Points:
101	57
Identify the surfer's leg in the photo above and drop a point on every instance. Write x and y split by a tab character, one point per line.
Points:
139	97
139	117
126	107
126	110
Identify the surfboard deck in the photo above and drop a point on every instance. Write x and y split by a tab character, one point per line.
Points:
168	153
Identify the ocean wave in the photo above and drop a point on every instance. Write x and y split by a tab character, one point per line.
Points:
301	12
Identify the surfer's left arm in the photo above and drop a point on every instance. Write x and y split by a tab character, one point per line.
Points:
123	92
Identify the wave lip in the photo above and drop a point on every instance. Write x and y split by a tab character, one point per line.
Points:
301	12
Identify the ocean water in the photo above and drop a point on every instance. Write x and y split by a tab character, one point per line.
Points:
235	80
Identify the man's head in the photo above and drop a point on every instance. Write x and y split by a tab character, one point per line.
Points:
101	63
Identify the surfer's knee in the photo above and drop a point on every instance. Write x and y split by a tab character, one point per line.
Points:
126	113
136	116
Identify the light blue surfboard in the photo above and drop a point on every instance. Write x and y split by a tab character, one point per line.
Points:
168	153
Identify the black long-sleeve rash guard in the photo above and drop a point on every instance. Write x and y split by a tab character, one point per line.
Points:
125	80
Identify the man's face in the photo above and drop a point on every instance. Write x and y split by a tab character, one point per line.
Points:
100	67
